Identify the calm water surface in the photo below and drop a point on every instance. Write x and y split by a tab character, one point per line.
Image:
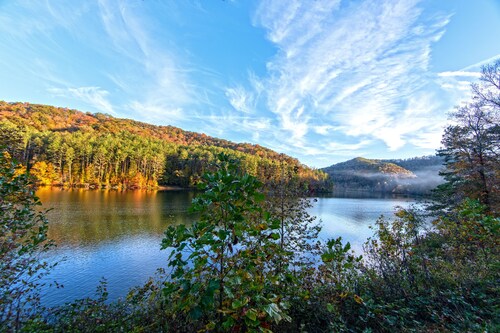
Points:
116	235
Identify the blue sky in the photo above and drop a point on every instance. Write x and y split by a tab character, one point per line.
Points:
323	80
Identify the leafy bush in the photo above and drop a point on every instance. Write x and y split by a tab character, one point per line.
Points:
443	279
222	278
23	237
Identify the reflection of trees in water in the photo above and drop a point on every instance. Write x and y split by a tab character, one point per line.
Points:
89	217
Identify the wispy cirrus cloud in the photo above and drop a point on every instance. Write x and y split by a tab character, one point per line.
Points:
457	82
93	96
233	126
122	29
156	113
459	73
241	99
352	68
120	45
478	65
347	148
157	73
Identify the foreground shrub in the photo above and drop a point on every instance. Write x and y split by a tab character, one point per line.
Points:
222	278
23	238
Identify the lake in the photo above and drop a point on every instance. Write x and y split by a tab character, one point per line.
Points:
117	234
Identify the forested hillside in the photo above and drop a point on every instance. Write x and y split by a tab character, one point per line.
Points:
61	146
416	175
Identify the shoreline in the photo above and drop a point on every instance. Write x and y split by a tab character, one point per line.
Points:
95	187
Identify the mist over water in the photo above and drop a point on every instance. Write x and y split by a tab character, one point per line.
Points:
428	178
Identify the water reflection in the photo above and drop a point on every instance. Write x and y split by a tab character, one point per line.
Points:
350	218
88	217
117	234
110	234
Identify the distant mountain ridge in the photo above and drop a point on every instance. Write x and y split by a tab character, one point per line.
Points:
417	175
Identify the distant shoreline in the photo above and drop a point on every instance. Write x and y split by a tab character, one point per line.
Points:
116	188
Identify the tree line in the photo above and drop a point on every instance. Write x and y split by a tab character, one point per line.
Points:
67	147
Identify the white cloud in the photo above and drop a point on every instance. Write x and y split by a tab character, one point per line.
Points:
337	146
156	113
457	85
459	73
93	96
351	67
323	129
481	63
123	30
234	126
429	139
256	125
157	79
240	99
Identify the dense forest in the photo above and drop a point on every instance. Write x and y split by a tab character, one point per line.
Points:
418	175
67	147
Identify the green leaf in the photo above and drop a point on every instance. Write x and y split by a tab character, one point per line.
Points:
273	311
259	197
327	257
222	234
251	314
169	288
228	323
275	236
